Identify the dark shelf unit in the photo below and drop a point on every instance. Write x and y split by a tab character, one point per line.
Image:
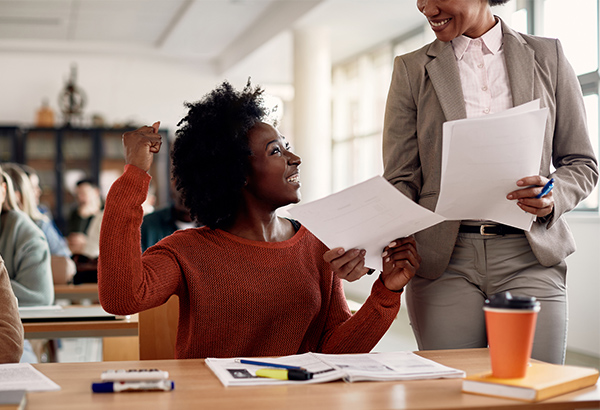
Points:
61	156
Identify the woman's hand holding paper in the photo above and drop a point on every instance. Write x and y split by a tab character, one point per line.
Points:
400	263
348	265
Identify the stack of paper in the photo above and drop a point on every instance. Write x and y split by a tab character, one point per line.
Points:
365	216
23	376
482	160
329	367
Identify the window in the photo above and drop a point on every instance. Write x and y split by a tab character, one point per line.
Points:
359	93
577	29
360	88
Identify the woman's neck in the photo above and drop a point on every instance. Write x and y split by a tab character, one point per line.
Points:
265	228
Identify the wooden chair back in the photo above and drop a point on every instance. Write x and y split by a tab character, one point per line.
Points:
158	331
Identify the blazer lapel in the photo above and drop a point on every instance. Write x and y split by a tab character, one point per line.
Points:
520	64
444	75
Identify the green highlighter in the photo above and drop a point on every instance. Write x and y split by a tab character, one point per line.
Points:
285	374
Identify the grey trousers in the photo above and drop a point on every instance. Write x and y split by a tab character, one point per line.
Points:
447	313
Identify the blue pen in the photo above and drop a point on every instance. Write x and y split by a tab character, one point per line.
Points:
546	189
279	366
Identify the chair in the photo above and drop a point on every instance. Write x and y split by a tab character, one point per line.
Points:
158	330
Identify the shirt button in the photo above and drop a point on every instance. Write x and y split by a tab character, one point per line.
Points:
486	111
479	65
484	88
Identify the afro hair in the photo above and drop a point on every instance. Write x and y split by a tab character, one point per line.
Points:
210	154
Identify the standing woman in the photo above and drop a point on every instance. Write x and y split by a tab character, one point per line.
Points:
249	283
478	66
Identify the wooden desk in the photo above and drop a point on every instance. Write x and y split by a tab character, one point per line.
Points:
76	293
196	387
119	337
86	328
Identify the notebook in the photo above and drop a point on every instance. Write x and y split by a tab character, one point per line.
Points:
542	381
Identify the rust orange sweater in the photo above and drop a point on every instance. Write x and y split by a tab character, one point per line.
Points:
237	297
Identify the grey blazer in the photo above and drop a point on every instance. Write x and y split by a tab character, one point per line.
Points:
425	92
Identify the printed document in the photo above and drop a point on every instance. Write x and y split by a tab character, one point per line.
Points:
368	216
328	367
482	159
23	376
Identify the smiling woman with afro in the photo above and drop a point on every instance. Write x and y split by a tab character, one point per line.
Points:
250	283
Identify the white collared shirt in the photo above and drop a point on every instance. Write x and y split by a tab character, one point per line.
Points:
483	73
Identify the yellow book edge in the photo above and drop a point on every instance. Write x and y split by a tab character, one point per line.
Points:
542	381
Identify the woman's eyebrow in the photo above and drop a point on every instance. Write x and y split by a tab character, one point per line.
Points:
270	142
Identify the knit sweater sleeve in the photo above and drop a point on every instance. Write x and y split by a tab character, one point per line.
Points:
127	282
360	332
11	328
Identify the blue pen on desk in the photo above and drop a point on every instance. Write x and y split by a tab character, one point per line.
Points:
546	189
277	365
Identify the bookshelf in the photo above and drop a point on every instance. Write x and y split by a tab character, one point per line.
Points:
62	156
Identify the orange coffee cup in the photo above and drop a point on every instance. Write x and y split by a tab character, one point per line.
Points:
510	324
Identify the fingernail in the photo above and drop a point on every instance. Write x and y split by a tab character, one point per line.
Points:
509	196
363	252
391	245
384	254
519	183
387	260
340	251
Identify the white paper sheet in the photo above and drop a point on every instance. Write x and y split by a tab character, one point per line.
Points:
23	376
482	160
366	216
330	367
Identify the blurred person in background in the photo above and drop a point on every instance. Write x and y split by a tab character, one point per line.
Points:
26	255
163	222
63	267
88	205
34	178
25	251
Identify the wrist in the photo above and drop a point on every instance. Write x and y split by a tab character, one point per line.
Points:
391	290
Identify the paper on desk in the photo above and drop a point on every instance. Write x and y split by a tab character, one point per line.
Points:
330	367
23	376
368	216
482	159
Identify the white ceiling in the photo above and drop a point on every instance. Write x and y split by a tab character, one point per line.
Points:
220	34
